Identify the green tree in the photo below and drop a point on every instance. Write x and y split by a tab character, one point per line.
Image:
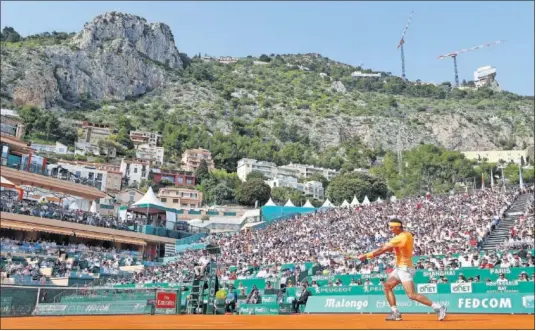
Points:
426	168
10	35
222	194
265	58
511	173
345	186
202	172
255	175
251	191
319	178
280	195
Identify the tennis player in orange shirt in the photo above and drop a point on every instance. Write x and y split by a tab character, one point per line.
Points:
402	245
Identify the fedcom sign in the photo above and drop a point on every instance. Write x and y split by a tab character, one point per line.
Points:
461	288
427	288
495	303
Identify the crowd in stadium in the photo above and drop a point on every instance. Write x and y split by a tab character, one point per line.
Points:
55	211
446	225
443	225
63	259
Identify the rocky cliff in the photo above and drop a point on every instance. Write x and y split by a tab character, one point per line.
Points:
121	57
115	56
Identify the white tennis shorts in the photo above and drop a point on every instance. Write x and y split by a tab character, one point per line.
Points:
403	274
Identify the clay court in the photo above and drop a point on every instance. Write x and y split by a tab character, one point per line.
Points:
346	321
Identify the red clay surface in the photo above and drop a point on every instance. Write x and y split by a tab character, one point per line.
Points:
234	322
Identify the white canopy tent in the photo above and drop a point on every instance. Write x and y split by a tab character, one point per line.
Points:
308	204
149	204
270	203
289	204
366	201
379	200
327	204
355	202
393	198
345	204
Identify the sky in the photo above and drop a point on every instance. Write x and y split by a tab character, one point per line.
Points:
350	32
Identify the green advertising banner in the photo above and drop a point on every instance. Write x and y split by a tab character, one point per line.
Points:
492	287
93	308
423	276
259	309
469	303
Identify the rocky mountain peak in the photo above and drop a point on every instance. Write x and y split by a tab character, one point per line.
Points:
154	40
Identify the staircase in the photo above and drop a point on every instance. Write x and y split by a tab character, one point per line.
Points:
502	230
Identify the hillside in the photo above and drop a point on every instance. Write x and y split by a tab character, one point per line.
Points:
304	108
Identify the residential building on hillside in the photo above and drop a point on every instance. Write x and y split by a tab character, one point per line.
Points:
179	198
128	196
150	153
312	188
306	171
359	74
178	178
495	156
227	60
134	171
11	123
272	171
89	136
191	158
142	137
58	148
247	166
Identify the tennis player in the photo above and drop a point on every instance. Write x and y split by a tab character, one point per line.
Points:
402	245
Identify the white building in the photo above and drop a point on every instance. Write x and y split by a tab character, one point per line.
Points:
134	171
272	171
485	77
359	74
312	188
246	166
150	153
59	148
88	174
306	171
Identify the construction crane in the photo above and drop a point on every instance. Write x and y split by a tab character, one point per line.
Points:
453	55
401	45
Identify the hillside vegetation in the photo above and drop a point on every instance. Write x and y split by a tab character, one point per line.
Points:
302	108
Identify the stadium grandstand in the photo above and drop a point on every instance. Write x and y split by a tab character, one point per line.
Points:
56	261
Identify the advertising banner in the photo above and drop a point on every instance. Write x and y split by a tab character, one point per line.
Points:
498	303
166	300
259	309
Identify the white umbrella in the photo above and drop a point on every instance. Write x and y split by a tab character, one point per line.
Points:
366	201
93	208
354	202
